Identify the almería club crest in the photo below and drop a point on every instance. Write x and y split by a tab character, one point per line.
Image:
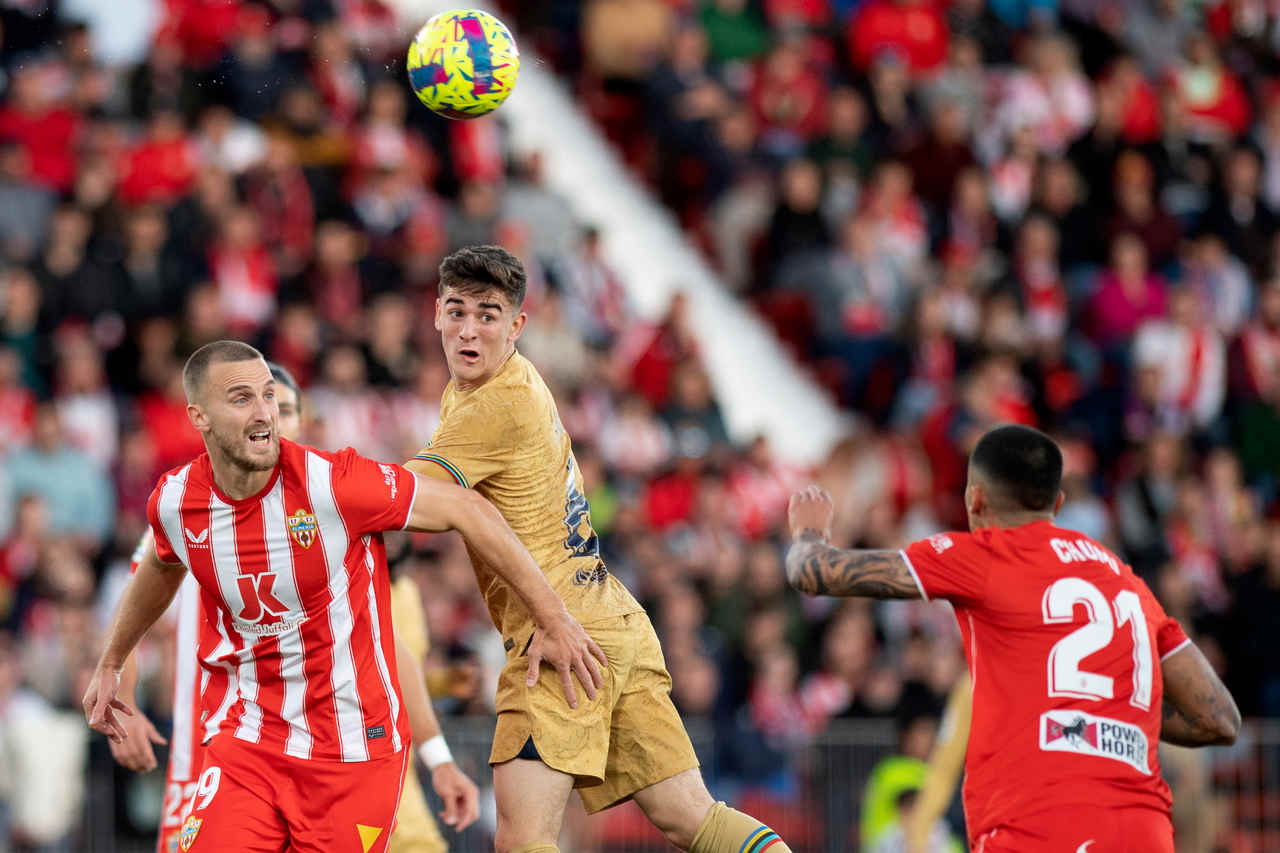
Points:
302	526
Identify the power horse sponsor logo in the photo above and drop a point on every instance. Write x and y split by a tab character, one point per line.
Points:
1085	734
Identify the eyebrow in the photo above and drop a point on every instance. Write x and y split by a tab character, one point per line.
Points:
454	300
245	386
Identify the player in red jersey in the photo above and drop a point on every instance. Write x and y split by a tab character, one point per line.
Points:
1076	669
199	693
285	543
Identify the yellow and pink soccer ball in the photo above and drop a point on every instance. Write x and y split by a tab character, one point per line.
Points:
463	63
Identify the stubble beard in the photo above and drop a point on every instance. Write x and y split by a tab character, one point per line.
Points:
232	451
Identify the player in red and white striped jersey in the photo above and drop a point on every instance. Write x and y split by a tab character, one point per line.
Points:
284	542
192	705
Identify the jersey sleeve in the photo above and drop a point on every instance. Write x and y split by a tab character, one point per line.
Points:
471	444
1170	637
164	550
372	496
952	566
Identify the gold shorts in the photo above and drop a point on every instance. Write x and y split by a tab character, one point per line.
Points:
627	739
416	830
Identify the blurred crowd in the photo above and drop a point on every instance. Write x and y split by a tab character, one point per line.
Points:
956	214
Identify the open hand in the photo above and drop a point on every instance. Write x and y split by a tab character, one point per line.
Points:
460	796
565	644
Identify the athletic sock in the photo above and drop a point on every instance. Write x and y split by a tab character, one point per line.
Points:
726	830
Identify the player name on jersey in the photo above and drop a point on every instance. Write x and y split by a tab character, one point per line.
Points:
1084	734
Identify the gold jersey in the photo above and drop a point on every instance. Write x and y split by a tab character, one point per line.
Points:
505	440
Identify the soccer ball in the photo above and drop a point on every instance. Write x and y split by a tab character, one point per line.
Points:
463	63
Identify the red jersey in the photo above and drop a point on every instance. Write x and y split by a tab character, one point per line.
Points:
296	635
1064	644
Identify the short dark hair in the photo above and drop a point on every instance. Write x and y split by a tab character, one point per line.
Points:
1023	465
217	352
281	374
475	269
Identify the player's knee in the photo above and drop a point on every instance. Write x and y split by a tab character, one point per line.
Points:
679	820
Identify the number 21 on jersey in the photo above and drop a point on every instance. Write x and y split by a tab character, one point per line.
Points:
1066	677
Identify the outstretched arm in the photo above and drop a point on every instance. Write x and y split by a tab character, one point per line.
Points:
1198	708
559	638
145	599
817	568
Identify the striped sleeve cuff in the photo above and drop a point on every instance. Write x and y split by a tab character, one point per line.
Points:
1173	651
915	577
453	470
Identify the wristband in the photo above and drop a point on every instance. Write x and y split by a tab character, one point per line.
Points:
435	752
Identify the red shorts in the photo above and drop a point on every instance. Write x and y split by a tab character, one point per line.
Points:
1132	830
178	795
252	801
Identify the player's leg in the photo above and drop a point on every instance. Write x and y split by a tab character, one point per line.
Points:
332	807
542	748
531	799
416	830
178	794
652	761
233	806
683	809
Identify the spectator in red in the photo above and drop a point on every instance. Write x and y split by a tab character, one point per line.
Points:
1257	357
901	226
971	227
47	129
279	194
383	141
913	28
788	97
1141	103
1038	279
1138	211
243	272
204	28
1051	95
162	167
163	415
939	158
1128	293
1190	356
1217	104
336	74
17	403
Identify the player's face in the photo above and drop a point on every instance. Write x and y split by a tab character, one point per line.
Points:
237	414
479	332
290	412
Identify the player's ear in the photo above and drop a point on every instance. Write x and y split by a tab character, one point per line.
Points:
975	499
1057	505
517	325
198	418
437	322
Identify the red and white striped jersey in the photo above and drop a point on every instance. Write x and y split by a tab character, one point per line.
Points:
296	635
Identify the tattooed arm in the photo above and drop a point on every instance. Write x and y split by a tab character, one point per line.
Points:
1198	709
817	568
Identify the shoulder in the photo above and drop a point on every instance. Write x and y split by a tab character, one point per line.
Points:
188	474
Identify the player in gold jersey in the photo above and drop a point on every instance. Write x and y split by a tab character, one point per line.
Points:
500	433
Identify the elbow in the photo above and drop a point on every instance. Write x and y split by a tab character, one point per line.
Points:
1227	727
